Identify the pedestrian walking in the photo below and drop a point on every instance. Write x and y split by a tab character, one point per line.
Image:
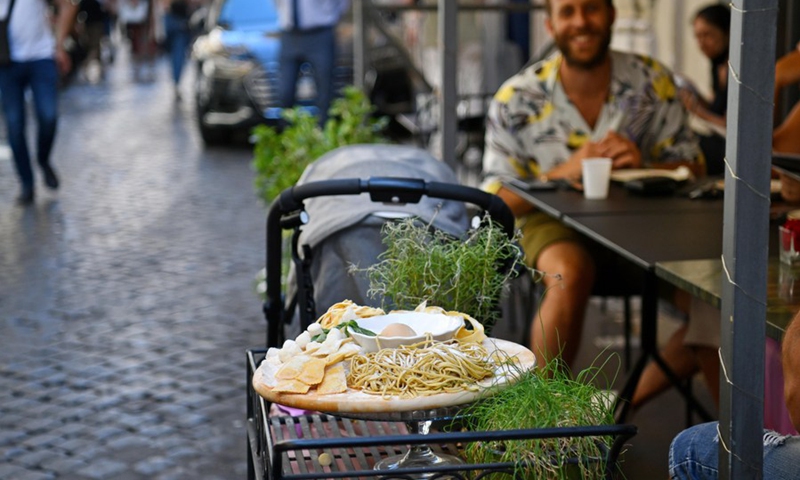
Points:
308	35
135	17
36	57
178	37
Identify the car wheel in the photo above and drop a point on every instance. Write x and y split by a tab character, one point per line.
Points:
212	136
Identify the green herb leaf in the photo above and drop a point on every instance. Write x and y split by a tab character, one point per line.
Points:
320	337
352	325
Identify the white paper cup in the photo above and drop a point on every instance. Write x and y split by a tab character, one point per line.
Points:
596	176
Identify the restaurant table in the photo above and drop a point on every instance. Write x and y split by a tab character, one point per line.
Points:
703	279
645	231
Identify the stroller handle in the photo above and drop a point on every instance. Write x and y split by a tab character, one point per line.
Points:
397	190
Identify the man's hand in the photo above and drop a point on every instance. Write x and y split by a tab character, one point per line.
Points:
572	169
623	152
67	12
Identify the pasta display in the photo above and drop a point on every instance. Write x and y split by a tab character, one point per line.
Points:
426	368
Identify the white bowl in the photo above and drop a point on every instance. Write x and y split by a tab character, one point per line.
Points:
440	327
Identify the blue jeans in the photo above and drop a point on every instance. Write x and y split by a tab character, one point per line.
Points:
316	47
178	38
41	76
694	454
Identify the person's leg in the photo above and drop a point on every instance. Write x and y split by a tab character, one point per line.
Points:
176	45
781	456
289	68
178	48
13	81
703	337
708	361
557	251
44	86
677	356
694	453
558	324
321	53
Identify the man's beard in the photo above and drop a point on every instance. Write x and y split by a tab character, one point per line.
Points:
562	42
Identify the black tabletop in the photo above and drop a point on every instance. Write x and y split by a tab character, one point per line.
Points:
645	230
647	238
568	202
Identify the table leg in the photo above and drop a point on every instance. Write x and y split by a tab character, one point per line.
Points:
649	345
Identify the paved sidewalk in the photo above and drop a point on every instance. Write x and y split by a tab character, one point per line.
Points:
126	301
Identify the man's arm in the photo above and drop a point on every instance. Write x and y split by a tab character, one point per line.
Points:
517	204
67	12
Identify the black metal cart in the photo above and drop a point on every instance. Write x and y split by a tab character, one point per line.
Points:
318	446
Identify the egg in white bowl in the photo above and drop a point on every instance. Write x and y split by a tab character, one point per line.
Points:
404	328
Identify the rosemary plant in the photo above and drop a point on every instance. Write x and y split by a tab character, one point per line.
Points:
466	275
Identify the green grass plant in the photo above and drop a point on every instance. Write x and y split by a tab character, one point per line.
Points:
280	156
425	265
544	398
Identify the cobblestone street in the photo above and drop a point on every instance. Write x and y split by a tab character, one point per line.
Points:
126	297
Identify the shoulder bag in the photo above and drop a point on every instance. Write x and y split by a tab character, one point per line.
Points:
5	47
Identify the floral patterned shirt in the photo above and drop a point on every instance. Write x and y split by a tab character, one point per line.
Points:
533	126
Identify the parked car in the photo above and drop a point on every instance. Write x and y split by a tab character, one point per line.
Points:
237	69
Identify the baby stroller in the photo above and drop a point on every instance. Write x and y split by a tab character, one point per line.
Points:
344	217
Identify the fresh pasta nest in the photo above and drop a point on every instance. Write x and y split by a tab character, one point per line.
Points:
427	368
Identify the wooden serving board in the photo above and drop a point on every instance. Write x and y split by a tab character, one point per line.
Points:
356	401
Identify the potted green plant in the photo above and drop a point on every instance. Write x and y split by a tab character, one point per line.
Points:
281	155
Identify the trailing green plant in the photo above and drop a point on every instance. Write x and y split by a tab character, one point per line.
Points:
281	155
544	398
462	274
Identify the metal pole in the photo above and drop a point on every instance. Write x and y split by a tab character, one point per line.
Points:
359	43
448	49
751	76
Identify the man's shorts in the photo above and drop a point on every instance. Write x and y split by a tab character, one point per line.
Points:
540	230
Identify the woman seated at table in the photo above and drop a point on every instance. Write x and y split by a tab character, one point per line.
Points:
711	26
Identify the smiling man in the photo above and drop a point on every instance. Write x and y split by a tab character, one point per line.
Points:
584	101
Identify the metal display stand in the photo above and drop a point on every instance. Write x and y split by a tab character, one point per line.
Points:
322	446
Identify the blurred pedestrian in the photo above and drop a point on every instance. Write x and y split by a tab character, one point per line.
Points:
37	57
308	35
135	17
92	16
178	37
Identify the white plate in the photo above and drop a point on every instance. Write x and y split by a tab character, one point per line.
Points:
440	327
625	175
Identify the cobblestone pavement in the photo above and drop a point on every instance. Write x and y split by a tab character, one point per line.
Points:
126	299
